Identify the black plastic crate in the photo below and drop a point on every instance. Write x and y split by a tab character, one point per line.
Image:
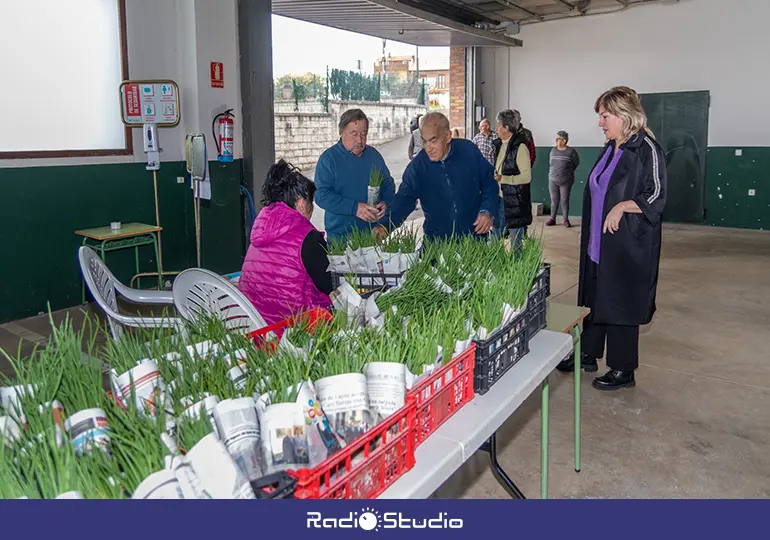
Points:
496	355
280	485
543	280
368	282
536	311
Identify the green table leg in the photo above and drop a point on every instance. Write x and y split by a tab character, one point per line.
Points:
544	442
83	280
577	397
157	262
136	265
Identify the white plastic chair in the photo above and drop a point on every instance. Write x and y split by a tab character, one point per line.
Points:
105	287
199	292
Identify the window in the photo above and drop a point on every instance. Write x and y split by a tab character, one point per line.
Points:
62	64
441	81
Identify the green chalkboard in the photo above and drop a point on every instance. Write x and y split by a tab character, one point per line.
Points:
679	121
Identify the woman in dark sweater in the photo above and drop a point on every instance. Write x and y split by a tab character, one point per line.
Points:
620	239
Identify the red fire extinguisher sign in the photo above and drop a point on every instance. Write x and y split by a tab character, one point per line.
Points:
217	75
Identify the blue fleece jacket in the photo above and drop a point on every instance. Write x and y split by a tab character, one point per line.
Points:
342	181
452	192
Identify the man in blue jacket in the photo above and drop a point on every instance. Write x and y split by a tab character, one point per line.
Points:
454	183
342	179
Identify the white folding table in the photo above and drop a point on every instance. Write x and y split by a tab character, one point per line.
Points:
474	426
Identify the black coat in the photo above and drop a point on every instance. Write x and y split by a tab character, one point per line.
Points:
629	259
517	199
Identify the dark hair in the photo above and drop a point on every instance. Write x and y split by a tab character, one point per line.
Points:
284	183
350	116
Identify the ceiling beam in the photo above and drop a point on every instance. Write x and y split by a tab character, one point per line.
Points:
565	3
525	10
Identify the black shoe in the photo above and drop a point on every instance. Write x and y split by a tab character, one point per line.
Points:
614	379
587	363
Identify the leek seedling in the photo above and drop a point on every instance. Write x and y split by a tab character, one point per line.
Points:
99	477
190	430
376	177
336	246
284	375
136	444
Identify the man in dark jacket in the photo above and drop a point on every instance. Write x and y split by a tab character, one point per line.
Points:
453	182
513	172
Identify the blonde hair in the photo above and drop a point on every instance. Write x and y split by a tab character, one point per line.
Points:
625	103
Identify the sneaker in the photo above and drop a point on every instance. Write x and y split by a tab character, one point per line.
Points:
567	223
550	223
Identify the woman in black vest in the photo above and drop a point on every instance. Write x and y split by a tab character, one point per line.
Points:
513	171
620	239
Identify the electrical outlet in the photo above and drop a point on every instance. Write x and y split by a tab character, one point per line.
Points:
752	192
180	179
738	152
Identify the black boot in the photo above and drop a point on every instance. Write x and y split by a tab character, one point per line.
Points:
614	379
587	363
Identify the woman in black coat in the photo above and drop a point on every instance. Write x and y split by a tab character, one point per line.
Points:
620	239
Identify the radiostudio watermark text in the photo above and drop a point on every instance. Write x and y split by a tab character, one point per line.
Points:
370	519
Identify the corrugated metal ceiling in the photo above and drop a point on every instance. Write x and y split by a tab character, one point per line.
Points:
392	20
481	23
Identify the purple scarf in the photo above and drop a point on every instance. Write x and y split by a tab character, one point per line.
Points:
597	183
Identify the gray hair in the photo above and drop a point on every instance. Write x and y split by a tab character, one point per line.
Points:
509	119
443	121
350	116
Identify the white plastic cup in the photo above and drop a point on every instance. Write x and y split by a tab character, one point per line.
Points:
88	428
115	226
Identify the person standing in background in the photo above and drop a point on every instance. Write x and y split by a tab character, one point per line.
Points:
530	139
513	172
484	139
415	140
342	179
561	176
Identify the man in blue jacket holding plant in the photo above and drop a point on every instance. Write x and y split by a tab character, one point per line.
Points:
454	183
342	178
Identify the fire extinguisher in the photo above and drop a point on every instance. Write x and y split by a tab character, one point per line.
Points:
225	140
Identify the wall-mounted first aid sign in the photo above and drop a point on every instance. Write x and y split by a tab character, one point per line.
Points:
150	102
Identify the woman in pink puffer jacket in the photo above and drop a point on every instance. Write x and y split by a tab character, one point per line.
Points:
286	267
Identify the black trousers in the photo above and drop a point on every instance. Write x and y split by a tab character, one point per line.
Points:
622	341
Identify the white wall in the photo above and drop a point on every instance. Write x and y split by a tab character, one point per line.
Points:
718	45
176	39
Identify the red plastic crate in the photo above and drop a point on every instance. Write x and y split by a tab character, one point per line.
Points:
443	393
368	465
316	315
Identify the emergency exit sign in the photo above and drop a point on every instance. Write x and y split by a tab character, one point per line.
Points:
150	102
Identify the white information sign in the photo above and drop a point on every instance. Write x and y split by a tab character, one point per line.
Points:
149	102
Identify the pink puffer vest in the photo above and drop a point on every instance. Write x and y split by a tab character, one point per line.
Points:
273	276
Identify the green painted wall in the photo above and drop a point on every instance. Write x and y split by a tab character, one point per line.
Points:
43	206
727	175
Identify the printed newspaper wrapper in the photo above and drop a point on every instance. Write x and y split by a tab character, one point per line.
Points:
339	263
238	376
208	403
70	495
57	410
159	485
148	386
9	398
238	427
9	430
346	403
88	429
386	388
209	472
373	195
284	438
